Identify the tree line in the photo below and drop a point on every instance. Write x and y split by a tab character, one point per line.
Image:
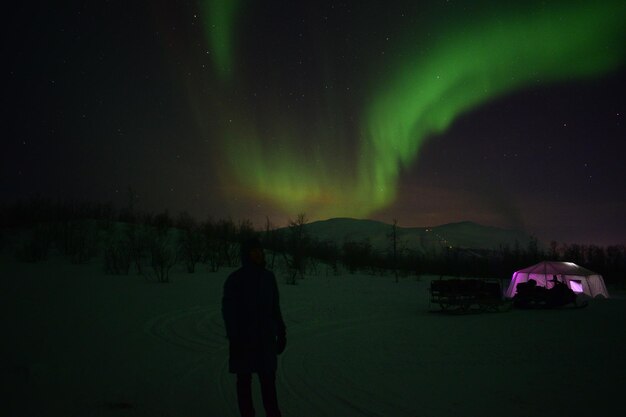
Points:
151	244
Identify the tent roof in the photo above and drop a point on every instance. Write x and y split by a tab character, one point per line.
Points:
558	268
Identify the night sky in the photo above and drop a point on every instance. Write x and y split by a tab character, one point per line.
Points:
430	112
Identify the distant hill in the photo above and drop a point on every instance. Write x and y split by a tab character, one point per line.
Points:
467	235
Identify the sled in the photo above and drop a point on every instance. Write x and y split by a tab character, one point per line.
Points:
462	296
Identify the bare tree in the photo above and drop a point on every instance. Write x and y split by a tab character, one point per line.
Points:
554	251
393	240
226	235
190	241
37	247
80	240
272	243
533	252
163	256
211	245
117	256
162	261
245	230
295	255
357	255
138	244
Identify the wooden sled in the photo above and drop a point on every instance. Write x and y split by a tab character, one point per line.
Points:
463	296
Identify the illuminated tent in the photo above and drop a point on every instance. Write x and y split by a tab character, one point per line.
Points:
579	279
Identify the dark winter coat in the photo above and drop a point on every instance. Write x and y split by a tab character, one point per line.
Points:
253	320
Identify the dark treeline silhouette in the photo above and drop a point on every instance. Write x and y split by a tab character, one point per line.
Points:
146	243
150	244
362	256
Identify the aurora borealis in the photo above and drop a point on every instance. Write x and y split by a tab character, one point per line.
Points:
468	67
219	16
421	95
504	113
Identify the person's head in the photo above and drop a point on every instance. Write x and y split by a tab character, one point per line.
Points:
532	282
252	253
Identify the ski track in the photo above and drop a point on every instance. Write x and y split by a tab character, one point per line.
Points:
357	346
317	377
196	328
200	331
312	379
321	399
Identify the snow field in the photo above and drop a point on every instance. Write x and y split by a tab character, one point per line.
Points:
81	343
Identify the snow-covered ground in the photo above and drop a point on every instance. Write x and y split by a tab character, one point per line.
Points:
77	342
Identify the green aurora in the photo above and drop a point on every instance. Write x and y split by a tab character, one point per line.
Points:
421	96
219	31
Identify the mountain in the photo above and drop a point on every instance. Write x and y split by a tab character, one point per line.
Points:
467	235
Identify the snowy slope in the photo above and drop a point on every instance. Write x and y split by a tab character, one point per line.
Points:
462	234
81	343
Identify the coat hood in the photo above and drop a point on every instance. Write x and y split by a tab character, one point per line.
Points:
245	249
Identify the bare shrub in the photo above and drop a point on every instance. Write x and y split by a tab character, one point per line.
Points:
137	237
190	241
295	256
357	255
245	231
226	236
117	257
37	246
273	241
162	222
163	253
79	240
162	257
210	246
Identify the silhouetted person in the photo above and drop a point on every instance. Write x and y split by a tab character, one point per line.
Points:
559	294
255	328
530	295
525	293
555	281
